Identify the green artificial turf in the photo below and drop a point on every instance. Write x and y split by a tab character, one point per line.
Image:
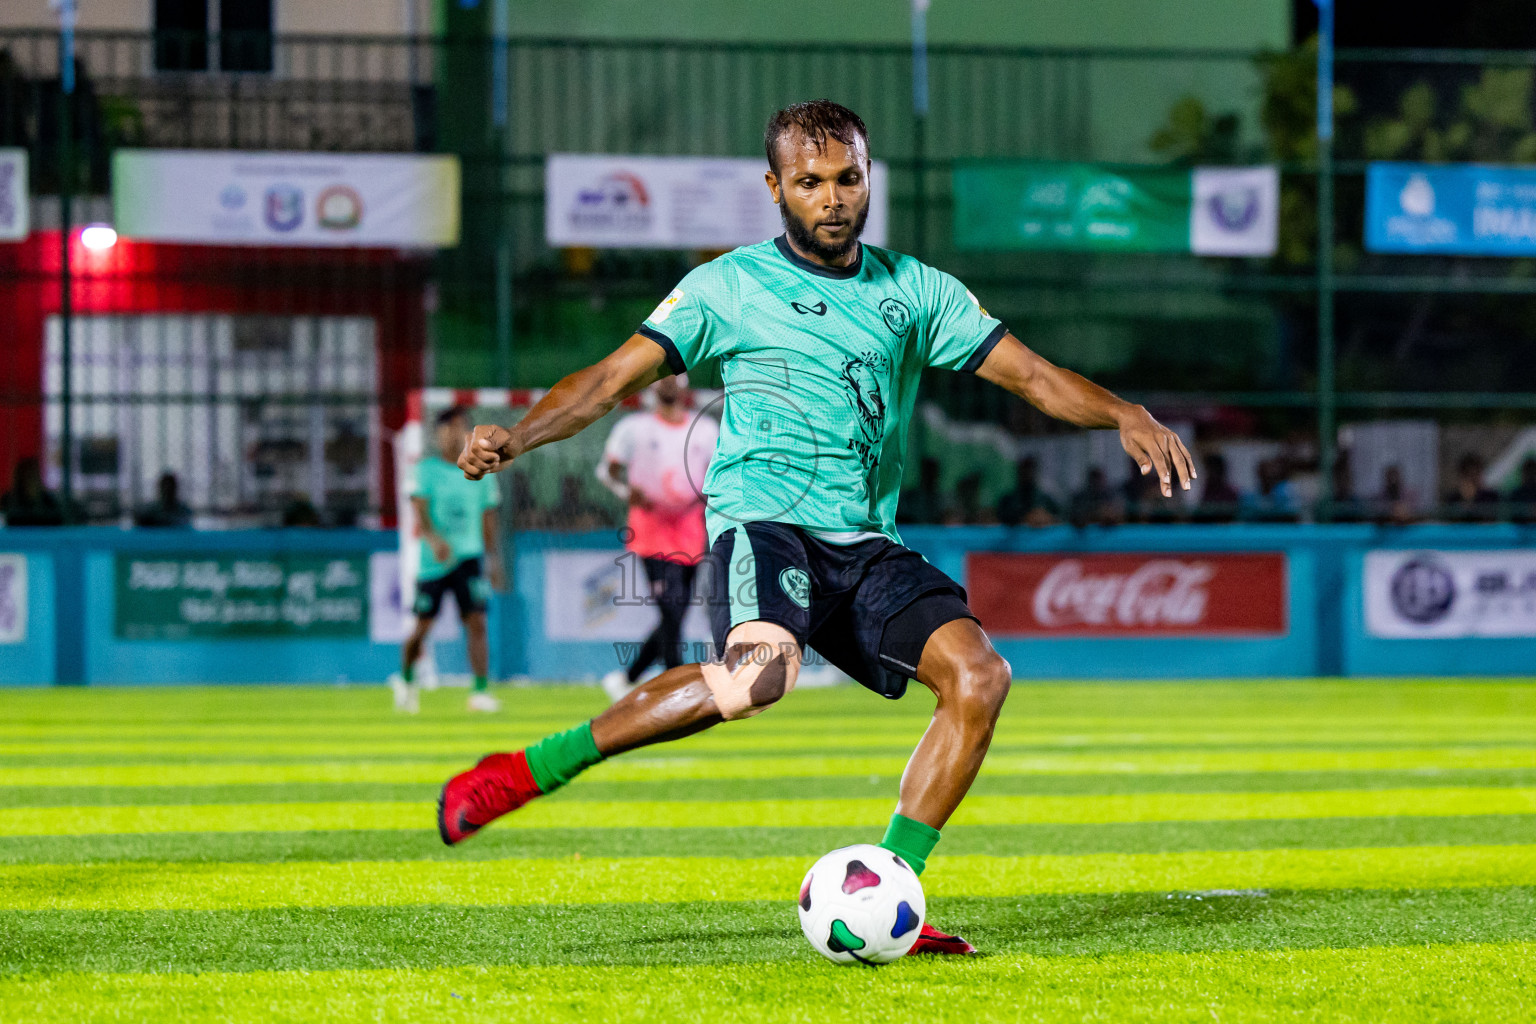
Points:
1360	851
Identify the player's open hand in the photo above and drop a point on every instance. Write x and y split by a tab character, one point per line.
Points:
1156	449
488	450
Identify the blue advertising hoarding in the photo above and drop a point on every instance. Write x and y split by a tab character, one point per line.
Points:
1458	209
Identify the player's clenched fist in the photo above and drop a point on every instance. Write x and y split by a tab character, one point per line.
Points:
487	451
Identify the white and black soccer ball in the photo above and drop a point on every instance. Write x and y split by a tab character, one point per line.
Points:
861	904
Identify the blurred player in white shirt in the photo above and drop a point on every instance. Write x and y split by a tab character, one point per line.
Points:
656	461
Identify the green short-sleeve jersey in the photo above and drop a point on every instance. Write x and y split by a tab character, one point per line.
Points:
457	507
821	367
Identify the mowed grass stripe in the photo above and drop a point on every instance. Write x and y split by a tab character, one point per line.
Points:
722	741
214	886
806	787
631	814
1284	701
502	729
649	769
334	938
277	741
748	843
1485	982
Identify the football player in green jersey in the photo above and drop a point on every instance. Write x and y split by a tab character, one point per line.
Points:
821	341
459	550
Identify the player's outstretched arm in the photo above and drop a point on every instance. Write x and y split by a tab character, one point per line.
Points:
1071	397
578	400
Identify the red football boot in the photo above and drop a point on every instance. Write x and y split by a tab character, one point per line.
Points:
931	940
471	800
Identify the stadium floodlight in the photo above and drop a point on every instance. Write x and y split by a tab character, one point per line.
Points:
98	236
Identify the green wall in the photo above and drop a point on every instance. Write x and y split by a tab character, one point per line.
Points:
637	98
1240	24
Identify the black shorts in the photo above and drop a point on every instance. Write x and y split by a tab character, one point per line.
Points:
868	608
470	591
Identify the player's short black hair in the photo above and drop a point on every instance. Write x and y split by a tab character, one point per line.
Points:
455	412
817	120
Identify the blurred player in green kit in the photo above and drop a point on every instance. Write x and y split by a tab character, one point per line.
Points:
457	522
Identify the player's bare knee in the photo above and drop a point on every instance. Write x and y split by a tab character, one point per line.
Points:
982	685
772	681
761	673
754	673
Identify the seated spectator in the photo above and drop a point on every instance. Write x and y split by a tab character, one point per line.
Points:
301	512
1027	503
923	503
1346	506
1273	502
1523	497
967	509
1218	499
1097	504
1469	500
1144	501
1395	504
167	511
28	503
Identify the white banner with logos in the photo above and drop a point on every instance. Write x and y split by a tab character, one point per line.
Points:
664	202
390	618
383	200
604	595
1234	211
13	599
14	221
1444	594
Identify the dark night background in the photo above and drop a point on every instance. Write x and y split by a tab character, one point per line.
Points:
1475	25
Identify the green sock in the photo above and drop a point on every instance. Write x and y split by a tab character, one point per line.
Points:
560	757
482	684
910	840
408	673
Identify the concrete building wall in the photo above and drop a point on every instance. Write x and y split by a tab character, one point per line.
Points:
296	17
120	15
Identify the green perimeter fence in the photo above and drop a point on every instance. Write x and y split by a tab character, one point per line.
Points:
1231	347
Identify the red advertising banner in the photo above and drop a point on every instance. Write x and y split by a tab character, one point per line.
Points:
1173	594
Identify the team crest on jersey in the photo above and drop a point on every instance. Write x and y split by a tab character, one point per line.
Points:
660	313
796	586
897	316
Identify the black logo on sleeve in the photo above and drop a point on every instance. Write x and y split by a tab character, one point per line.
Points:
897	316
820	309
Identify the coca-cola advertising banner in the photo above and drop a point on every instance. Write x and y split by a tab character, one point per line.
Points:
1175	594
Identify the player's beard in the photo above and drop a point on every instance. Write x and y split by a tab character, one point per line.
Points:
804	236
